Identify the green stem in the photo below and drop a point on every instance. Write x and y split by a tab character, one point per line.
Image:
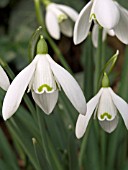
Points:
83	146
40	19
42	132
103	61
88	67
98	60
35	150
39	14
103	150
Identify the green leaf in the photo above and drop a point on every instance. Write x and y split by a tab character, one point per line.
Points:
43	163
123	84
7	154
72	152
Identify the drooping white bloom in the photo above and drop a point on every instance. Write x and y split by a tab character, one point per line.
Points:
107	13
4	81
105	103
104	34
44	77
60	19
121	28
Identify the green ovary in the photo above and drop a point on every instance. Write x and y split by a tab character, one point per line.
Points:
40	89
105	114
93	16
61	18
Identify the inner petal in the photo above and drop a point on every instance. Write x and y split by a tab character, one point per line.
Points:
106	108
44	80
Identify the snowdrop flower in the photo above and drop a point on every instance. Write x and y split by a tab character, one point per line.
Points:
60	19
4	81
104	34
105	103
44	78
108	14
121	29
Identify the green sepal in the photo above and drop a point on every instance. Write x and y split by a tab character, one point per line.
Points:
42	47
105	81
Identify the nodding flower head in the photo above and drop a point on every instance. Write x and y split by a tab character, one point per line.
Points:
45	78
60	19
108	14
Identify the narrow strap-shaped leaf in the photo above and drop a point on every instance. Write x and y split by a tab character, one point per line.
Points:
73	152
43	163
7	153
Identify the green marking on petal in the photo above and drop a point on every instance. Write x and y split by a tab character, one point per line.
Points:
107	115
62	17
93	16
40	89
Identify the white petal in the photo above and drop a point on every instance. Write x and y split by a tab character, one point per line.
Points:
95	35
16	91
66	27
52	25
70	86
121	105
73	14
107	13
82	24
43	77
111	32
46	101
106	109
109	126
4	81
82	121
121	29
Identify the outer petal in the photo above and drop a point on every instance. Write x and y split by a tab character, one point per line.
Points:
121	105
69	11
4	81
52	25
82	24
46	101
66	27
121	29
82	121
16	91
70	86
109	126
107	13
